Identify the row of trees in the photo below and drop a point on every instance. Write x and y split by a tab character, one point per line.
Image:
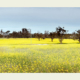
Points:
25	33
59	33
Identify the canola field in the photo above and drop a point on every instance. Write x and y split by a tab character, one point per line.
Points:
26	55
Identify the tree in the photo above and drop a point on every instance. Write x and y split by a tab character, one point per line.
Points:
46	34
4	34
1	31
60	33
78	35
7	33
25	33
73	36
52	35
67	36
15	34
1	34
39	35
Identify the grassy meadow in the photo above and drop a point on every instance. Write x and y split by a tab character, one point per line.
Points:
26	55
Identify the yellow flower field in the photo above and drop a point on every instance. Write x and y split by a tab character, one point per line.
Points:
24	41
22	55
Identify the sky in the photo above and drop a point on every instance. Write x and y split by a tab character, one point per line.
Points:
39	19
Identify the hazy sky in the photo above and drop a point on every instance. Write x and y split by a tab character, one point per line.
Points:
39	19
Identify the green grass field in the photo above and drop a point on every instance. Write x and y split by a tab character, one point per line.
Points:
26	56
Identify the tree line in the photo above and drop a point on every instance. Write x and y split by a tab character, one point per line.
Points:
59	33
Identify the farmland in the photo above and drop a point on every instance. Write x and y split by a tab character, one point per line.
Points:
26	55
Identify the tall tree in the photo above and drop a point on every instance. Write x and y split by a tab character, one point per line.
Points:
25	33
60	33
52	35
46	34
78	35
74	36
7	33
1	34
15	34
39	35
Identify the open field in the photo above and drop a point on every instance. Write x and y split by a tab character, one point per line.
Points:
16	56
24	41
